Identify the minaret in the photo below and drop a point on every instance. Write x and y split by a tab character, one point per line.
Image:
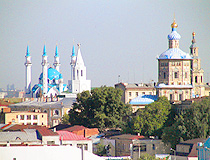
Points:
56	60
44	71
73	61
28	65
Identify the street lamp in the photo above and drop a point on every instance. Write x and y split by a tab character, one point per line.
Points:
174	152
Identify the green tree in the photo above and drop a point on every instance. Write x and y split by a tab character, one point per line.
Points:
65	119
102	108
150	121
147	157
193	123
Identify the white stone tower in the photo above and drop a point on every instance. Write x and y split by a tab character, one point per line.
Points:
28	65
78	82
56	60
44	71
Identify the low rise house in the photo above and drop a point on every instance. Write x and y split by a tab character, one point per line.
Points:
27	137
79	141
47	136
81	130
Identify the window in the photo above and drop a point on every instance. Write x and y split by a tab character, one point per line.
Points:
164	75
180	97
196	79
35	116
16	116
143	147
201	79
56	112
21	117
42	116
77	73
185	74
50	142
81	73
85	146
175	74
79	145
171	97
137	93
153	146
28	116
45	111
143	92
129	93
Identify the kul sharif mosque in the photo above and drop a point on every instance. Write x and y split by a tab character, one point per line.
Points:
50	82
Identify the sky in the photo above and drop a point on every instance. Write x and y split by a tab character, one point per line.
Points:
120	39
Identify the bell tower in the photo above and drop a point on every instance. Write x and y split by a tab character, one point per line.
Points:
78	82
196	71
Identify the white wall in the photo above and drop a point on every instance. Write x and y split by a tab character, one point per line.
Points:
45	153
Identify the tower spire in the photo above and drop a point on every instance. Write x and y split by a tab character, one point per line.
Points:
56	59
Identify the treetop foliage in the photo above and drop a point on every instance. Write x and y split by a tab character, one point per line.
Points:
102	108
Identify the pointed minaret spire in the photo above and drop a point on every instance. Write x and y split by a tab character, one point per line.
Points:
56	59
27	51
44	51
28	65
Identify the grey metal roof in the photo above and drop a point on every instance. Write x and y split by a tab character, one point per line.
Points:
64	102
29	135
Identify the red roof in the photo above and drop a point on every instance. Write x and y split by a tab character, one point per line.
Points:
74	128
44	131
69	136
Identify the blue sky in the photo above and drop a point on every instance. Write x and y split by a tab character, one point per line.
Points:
118	37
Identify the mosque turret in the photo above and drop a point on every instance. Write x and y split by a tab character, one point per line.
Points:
56	60
28	65
72	63
45	71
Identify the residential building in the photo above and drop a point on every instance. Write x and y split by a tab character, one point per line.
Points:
131	91
203	148
54	107
25	117
79	141
187	150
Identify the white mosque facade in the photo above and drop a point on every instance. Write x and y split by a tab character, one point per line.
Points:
51	81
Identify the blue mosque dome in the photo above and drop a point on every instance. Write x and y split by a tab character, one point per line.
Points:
52	74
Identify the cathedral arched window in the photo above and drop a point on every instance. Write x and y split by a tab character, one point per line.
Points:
176	75
196	79
164	75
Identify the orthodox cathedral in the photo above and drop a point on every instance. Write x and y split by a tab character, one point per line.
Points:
180	75
51	80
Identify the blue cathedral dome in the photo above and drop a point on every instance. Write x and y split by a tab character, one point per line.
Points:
174	53
174	36
52	74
